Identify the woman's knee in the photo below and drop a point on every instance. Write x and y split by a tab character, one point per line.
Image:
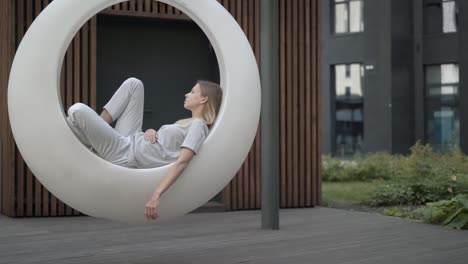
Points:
77	110
135	81
135	84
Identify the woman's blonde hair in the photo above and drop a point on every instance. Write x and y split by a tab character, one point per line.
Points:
215	94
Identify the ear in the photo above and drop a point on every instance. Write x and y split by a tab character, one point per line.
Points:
204	99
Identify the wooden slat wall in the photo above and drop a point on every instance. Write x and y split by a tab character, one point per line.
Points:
300	155
243	192
300	160
7	145
25	195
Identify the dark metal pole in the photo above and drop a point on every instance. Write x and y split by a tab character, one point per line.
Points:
269	71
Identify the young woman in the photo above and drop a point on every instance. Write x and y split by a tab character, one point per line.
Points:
126	145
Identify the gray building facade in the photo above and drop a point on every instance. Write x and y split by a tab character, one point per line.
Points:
392	74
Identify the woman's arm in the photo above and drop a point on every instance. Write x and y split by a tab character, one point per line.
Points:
175	171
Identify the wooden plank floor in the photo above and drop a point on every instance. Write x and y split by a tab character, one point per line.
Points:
314	235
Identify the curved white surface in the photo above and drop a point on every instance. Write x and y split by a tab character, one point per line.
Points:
101	189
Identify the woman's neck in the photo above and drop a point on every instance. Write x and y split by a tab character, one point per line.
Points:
197	113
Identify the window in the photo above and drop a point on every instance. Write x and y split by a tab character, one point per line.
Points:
348	16
441	107
348	71
440	16
348	109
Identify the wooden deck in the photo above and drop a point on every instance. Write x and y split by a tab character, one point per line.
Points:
315	235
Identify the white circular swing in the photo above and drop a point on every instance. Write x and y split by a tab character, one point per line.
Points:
87	182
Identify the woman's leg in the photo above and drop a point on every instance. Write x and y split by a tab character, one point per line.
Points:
93	131
126	106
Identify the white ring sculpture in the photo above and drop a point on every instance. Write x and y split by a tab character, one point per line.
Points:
101	189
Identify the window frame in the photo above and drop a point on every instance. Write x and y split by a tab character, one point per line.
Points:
434	102
348	25
333	105
426	3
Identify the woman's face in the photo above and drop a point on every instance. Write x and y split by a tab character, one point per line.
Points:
194	98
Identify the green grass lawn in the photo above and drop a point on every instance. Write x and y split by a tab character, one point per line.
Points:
352	192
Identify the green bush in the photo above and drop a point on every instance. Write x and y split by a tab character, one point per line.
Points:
424	176
377	166
451	213
390	194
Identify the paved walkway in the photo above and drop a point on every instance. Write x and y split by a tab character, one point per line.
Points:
314	235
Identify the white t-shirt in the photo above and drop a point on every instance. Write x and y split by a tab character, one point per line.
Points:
144	154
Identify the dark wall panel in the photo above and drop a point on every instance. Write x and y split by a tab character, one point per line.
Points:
403	117
167	56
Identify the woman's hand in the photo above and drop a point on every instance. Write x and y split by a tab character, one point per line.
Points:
151	135
151	208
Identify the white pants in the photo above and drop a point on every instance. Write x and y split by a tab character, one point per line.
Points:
126	107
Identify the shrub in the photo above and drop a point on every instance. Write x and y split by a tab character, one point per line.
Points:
377	166
424	176
390	194
451	213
